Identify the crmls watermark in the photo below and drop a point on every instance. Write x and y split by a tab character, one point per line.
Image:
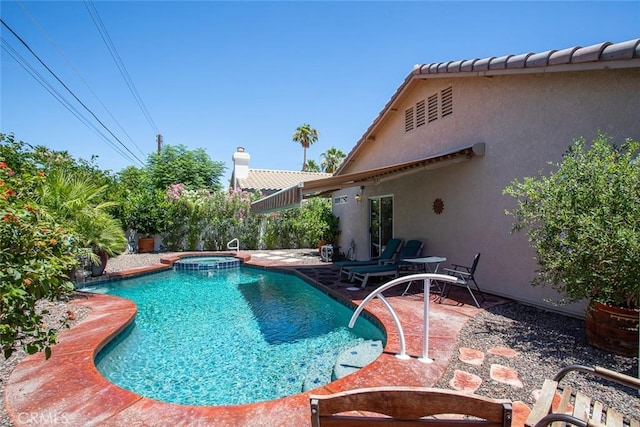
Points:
43	418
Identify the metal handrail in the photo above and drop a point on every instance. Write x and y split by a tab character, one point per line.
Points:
132	247
236	247
426	278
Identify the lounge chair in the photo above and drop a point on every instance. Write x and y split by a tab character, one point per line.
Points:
411	250
388	255
408	406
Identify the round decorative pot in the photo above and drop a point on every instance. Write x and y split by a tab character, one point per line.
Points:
613	329
145	244
98	269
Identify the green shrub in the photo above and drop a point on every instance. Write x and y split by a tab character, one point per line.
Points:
36	254
584	222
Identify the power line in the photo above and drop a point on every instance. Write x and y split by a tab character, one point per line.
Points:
57	95
68	90
41	28
95	16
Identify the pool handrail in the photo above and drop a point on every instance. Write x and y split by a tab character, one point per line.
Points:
236	247
426	278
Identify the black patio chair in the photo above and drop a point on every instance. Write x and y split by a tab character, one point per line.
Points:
465	275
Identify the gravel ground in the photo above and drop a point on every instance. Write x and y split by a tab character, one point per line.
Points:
545	342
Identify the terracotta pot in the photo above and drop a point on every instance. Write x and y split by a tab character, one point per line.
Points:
613	329
145	244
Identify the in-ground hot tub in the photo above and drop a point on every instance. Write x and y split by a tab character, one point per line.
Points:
206	263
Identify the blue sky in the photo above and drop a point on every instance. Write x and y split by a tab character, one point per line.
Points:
218	75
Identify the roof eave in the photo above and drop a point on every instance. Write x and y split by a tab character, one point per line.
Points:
589	66
371	129
603	56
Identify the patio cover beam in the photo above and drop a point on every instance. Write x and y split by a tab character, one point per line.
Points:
291	197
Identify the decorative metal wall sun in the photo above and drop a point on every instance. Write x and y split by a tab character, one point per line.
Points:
438	206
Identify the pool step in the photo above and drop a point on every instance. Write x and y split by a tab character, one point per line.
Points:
356	357
318	372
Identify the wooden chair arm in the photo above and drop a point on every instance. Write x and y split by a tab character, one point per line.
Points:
618	377
598	371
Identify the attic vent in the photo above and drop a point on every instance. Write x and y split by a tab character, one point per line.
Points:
433	107
420	111
408	119
447	101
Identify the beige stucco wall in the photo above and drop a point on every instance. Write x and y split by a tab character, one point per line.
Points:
525	121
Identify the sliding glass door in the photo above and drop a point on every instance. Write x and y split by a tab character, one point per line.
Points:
380	223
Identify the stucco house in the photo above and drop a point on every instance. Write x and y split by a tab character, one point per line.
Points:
433	164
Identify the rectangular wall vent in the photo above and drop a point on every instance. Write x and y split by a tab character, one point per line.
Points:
447	101
408	119
433	107
420	114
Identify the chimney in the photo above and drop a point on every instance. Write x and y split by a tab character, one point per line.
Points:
240	166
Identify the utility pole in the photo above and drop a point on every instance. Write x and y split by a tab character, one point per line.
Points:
159	138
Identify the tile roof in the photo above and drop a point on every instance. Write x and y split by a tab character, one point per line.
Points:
269	181
601	52
600	56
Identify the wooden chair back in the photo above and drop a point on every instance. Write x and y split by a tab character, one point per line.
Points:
408	406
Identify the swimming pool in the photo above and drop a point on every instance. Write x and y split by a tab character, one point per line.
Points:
228	337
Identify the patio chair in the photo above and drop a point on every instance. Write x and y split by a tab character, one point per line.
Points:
411	250
388	255
564	405
407	406
465	275
363	274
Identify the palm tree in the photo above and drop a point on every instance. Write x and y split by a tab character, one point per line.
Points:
75	201
331	159
311	166
306	136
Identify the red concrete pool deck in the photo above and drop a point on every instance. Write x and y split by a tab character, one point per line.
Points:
67	389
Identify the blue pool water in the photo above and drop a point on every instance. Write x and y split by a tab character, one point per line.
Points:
228	337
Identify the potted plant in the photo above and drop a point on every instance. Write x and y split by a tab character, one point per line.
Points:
144	212
77	202
583	222
101	235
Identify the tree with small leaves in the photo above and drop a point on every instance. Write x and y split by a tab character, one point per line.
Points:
583	221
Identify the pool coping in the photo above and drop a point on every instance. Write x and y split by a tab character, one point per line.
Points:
68	389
